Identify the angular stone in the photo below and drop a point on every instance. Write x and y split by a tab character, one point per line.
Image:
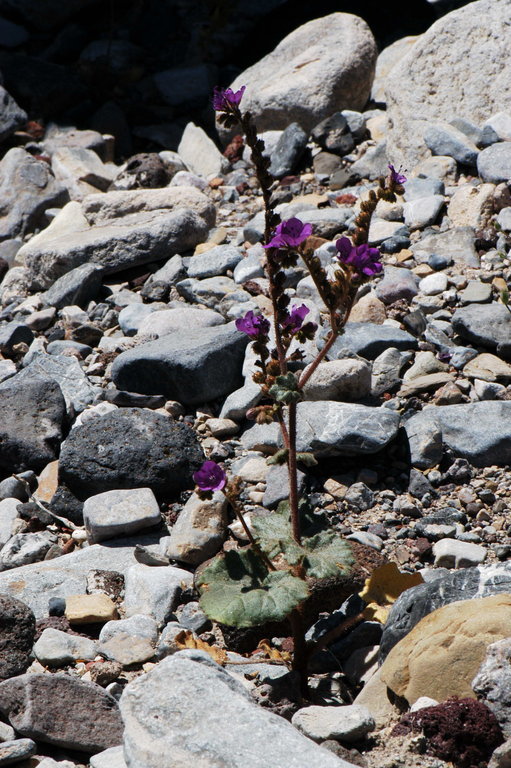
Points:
455	244
159	721
476	292
17	632
120	513
200	153
216	261
90	609
424	439
488	368
66	371
27	189
127	650
303	58
16	751
423	212
118	230
417	602
129	448
81	171
199	531
193	367
444	139
471	206
494	163
56	648
371	339
385	374
154	591
345	723
177	320
346	379
60	710
397	283
450	553
76	288
32	424
290	147
487	326
24	548
453	641
492	683
338	429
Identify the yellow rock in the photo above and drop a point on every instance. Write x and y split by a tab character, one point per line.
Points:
48	482
442	653
368	309
90	609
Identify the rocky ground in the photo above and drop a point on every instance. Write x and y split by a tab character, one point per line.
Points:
121	369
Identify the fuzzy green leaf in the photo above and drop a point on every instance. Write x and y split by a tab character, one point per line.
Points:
285	390
326	555
278	458
238	590
307	458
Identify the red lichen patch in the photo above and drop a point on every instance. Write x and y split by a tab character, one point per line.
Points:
463	731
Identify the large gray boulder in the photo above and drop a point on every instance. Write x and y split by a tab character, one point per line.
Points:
455	69
12	117
172	718
118	230
323	66
193	367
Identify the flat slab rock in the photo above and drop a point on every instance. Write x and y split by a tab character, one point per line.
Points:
417	602
63	711
174	710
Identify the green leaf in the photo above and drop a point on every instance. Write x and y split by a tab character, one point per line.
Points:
285	390
327	554
307	458
504	295
278	458
238	590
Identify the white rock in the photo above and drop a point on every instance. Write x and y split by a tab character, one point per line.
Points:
110	758
339	380
501	124
8	514
120	513
422	212
136	626
422	702
387	60
200	529
200	153
433	284
310	62
346	723
154	591
172	320
451	553
56	649
452	70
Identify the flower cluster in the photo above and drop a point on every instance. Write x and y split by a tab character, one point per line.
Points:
395	176
364	260
226	100
290	234
210	477
255	326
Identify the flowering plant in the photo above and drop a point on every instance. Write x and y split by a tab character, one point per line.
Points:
270	580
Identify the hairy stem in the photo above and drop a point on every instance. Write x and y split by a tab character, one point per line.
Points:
300	650
292	471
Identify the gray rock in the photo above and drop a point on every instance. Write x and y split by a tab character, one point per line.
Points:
397	283
372	164
347	379
171	272
109	758
386	371
476	292
27	189
11	116
444	139
345	723
129	448
210	291
56	649
193	367
360	496
423	212
492	684
60	710
199	531
422	187
66	371
387	59
132	316
251	266
485	325
32	424
456	244
178	320
14	333
290	147
216	261
37	583
17	632
77	287
371	339
200	153
437	78
24	548
257	738
127	650
424	439
154	592
494	163
308	55
17	750
120	513
118	230
7	369
136	626
8	514
277	485
334	134
338	429
81	171
238	402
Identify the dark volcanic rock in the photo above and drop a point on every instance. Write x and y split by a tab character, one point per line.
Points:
417	602
130	448
31	425
17	631
60	710
193	367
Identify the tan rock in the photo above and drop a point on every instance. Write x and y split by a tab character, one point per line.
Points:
368	309
90	609
488	368
439	166
339	380
424	383
388	59
200	529
442	654
471	206
48	482
375	696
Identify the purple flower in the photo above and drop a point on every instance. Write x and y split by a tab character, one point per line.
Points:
295	318
210	477
253	325
290	234
396	177
363	259
225	100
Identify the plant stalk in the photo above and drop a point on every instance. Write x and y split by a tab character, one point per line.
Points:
239	514
292	472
